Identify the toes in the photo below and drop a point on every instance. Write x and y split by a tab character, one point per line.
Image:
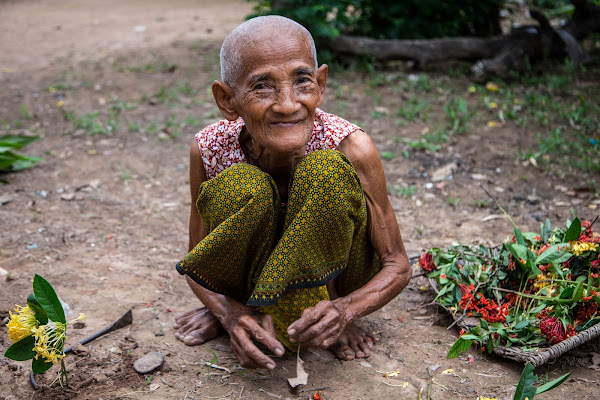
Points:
357	351
193	339
344	352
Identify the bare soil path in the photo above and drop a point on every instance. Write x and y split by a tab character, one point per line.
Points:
116	90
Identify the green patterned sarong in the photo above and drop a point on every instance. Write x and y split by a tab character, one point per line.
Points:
279	258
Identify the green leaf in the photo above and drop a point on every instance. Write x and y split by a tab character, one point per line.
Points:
484	324
578	291
48	299
459	347
567	293
552	384
525	388
519	237
546	231
574	231
554	254
38	310
16	142
518	251
22	350
40	365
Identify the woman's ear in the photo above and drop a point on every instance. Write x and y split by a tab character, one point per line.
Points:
322	82
223	95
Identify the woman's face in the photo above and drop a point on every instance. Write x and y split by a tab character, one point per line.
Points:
278	92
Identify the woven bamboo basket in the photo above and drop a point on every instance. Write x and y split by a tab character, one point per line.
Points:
535	357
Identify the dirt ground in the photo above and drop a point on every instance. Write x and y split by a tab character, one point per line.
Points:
104	216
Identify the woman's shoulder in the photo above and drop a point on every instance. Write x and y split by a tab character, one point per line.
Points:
332	122
329	131
218	144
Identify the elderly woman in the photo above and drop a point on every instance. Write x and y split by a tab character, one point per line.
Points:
292	236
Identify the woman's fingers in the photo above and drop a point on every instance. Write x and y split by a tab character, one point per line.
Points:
257	328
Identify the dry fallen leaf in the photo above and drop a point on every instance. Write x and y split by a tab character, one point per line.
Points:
301	375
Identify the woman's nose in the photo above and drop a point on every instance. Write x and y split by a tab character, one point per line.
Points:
287	101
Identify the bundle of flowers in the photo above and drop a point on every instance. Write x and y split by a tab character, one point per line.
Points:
533	291
38	330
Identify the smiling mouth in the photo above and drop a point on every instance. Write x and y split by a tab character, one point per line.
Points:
285	124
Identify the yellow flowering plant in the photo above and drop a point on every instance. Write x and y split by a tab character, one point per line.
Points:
38	330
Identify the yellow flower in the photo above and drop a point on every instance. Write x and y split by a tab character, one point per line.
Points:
493	104
493	124
578	248
22	324
492	87
49	340
60	103
472	89
486	398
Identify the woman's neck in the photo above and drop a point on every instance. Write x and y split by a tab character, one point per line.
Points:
275	163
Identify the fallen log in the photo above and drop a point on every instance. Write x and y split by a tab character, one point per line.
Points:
495	56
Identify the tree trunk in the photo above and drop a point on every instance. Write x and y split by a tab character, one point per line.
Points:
422	51
497	55
586	19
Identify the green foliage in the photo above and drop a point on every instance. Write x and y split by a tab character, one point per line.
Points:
526	389
387	19
458	115
10	161
47	298
406	191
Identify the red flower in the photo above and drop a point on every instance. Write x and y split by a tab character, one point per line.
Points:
426	262
596	263
554	330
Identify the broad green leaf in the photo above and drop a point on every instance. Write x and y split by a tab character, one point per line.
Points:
554	253
519	237
37	308
552	384
459	347
484	324
578	291
25	163
48	299
574	231
490	345
40	365
567	293
16	142
529	236
22	350
518	251
521	325
546	228
525	388
470	336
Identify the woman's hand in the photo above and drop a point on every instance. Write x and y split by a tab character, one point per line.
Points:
320	326
245	326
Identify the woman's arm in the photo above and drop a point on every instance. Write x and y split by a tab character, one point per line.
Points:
321	325
241	322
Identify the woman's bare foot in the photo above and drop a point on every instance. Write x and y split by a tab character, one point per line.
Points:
197	326
353	343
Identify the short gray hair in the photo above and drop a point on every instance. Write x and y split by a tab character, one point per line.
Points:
231	51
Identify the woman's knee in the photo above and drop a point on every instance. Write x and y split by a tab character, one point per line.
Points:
235	187
327	168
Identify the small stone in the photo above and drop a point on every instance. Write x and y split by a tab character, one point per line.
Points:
153	387
149	362
159	334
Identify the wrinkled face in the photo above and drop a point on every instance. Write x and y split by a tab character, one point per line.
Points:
278	92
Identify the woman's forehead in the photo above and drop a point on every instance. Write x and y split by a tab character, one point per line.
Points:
276	52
